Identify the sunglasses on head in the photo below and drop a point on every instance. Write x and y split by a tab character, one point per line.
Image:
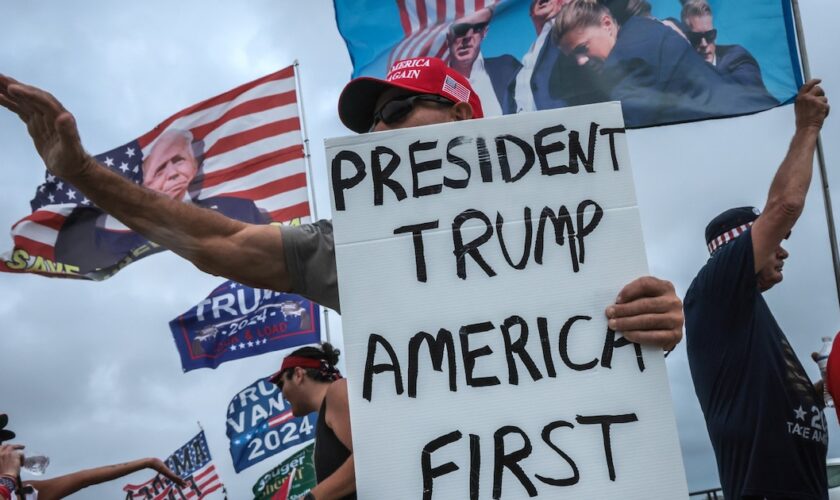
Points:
398	108
695	36
461	29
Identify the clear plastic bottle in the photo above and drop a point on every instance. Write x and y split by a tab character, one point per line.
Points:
822	362
36	464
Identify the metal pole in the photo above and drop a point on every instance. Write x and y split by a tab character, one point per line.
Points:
309	184
307	156
829	212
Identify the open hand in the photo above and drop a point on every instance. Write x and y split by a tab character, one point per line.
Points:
52	128
648	311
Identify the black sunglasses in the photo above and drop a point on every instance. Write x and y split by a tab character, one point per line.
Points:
398	108
695	36
461	29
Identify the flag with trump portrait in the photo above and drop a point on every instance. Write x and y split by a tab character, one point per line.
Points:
667	61
260	424
192	463
239	153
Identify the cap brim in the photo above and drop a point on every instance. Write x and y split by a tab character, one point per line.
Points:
4	420
357	102
274	377
6	435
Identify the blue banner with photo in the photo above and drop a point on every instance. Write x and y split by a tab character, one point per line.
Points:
667	61
236	321
260	425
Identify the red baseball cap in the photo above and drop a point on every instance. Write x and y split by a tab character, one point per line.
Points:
423	75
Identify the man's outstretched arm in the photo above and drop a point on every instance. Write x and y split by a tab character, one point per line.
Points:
786	198
247	253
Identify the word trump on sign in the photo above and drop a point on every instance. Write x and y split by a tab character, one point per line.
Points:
476	261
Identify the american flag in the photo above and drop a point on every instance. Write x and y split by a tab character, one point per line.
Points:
455	89
251	148
425	24
193	463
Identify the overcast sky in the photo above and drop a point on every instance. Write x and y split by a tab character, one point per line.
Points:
88	371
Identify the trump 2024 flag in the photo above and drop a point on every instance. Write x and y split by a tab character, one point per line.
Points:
260	425
239	153
236	321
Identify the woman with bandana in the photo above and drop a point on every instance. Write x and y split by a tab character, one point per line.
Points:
311	382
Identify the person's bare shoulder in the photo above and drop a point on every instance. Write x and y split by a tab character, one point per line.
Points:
337	391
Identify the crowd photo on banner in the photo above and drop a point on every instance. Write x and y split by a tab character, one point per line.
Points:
502	332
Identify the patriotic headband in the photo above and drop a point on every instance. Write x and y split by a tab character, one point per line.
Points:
327	370
728	236
295	361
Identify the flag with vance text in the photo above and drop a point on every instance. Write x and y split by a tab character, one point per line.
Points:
239	153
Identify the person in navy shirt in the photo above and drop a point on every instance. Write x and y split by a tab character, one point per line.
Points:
764	417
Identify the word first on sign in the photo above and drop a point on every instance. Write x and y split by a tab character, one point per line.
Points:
475	262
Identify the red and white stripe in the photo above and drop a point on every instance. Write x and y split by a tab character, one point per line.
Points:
206	478
253	149
425	24
281	418
727	237
38	232
253	146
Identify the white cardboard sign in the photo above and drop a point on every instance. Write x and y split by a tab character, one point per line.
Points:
476	260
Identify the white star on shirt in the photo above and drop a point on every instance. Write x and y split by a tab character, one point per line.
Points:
129	152
85	201
250	344
50	178
60	185
124	166
264	341
52	198
41	188
109	161
800	413
242	345
71	195
233	347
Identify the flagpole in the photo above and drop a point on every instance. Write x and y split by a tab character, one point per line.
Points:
309	184
829	212
306	154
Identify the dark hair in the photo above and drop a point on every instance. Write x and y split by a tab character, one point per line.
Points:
327	354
